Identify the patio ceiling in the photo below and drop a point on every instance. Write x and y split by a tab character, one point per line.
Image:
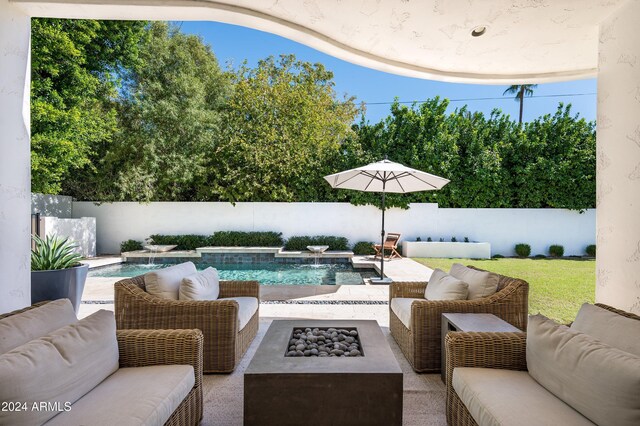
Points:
525	40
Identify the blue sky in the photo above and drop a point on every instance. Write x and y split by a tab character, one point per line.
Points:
233	44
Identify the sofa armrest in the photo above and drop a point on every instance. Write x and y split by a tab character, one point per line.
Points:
240	289
19	311
140	348
503	350
411	289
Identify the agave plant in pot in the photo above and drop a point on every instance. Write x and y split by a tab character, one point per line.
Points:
56	271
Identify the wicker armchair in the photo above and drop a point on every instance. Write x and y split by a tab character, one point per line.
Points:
224	344
140	348
421	343
486	350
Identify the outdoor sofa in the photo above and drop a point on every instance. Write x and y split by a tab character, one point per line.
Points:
229	323
419	335
57	370
585	374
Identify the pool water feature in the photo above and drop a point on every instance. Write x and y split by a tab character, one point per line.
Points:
265	273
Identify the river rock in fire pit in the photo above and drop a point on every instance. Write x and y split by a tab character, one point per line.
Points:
323	342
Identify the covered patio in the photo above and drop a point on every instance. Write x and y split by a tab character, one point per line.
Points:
495	42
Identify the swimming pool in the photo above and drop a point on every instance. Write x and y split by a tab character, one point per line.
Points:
265	273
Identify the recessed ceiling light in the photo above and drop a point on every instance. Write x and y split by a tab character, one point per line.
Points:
478	31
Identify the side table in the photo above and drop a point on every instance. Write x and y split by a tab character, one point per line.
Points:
470	322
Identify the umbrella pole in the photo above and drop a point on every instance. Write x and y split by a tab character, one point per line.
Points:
382	237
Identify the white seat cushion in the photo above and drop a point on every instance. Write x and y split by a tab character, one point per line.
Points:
481	283
505	397
247	306
442	286
401	306
599	381
21	328
166	282
60	367
203	285
132	396
608	327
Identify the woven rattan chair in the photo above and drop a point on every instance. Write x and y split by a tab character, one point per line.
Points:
421	343
486	350
141	348
224	344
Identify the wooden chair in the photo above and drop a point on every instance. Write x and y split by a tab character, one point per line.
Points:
390	245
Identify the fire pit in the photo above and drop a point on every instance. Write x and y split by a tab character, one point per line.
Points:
280	384
323	342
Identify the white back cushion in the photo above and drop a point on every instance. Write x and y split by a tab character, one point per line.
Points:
481	283
608	327
21	328
600	382
166	282
445	287
203	285
60	367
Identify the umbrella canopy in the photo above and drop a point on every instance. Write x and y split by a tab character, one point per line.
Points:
385	176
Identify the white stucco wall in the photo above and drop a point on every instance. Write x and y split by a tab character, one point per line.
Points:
503	228
15	183
51	205
80	231
618	173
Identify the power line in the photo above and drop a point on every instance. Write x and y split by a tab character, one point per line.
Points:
502	98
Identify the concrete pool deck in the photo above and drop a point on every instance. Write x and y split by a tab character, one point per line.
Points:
287	301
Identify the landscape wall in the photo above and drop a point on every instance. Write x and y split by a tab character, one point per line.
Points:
503	228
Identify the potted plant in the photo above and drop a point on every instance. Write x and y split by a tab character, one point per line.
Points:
56	271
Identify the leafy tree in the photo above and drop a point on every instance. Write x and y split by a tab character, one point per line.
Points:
282	131
520	91
169	119
75	64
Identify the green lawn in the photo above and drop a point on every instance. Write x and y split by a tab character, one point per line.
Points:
557	287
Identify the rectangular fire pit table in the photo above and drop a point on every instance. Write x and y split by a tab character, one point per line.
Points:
364	390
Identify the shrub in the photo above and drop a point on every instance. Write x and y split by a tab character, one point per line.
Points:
556	250
442	240
300	243
363	248
130	245
246	239
466	239
497	256
591	250
523	250
54	253
454	240
182	242
539	256
418	239
429	239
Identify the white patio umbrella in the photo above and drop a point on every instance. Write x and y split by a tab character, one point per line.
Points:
386	176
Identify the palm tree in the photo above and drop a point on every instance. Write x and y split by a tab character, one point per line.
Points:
521	91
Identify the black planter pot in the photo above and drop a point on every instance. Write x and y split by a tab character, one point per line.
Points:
59	284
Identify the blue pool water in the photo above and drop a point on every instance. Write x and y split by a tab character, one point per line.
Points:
265	273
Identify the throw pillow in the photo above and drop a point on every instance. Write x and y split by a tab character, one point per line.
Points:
481	283
445	287
166	282
58	368
608	327
203	285
597	380
21	328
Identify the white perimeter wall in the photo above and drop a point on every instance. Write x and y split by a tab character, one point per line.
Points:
82	232
503	228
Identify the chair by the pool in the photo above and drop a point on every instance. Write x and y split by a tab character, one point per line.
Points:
225	342
390	246
419	336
